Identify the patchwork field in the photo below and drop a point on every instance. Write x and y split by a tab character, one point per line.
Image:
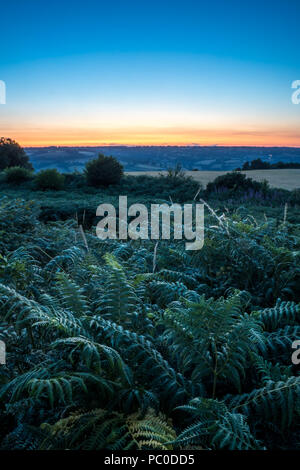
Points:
286	179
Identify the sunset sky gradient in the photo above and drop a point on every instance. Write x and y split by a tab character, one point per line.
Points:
154	73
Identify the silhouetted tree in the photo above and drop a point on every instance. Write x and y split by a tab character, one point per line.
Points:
257	164
103	171
12	154
246	166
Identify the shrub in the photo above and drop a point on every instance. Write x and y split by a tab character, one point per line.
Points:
176	173
11	154
50	179
295	196
180	189
17	174
103	171
234	181
75	180
178	186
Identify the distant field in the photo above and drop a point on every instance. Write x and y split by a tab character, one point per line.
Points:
286	179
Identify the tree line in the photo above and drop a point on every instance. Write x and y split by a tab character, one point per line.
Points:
259	164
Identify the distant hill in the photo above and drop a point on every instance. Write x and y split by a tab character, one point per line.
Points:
155	158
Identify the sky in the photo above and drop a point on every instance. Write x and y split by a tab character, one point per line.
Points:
150	72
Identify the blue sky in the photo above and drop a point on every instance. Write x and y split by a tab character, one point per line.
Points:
150	72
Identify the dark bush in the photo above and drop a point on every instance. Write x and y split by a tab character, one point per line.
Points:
235	181
295	196
103	171
11	154
49	179
17	175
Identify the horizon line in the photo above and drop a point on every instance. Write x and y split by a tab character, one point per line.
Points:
162	145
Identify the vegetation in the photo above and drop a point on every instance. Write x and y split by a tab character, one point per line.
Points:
17	175
104	351
12	155
235	181
143	345
295	197
103	171
49	179
259	164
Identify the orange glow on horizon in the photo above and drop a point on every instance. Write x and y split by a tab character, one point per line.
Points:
153	136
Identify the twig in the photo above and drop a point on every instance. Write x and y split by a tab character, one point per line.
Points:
84	237
219	219
154	256
197	193
285	213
